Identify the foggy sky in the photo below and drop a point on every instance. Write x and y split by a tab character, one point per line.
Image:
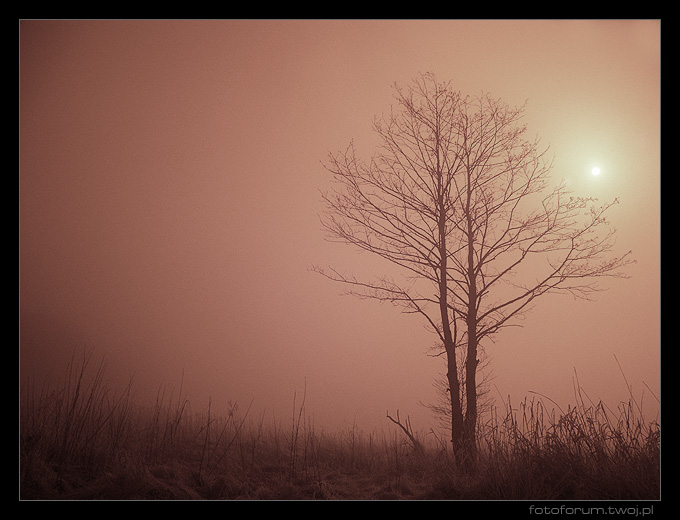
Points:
169	200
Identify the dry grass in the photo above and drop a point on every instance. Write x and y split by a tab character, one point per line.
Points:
84	442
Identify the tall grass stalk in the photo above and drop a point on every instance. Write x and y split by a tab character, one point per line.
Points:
585	451
295	433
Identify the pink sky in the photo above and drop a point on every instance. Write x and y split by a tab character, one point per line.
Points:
169	201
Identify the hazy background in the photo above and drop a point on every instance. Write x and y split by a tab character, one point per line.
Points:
169	200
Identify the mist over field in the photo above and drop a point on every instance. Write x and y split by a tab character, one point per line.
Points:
170	193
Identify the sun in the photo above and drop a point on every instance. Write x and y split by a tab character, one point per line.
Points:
595	171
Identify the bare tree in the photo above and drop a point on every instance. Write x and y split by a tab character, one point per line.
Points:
461	202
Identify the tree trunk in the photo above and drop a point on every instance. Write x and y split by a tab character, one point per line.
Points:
457	423
470	426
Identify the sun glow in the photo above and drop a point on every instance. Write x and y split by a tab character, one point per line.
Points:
595	171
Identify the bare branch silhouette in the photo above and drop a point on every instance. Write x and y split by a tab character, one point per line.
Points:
408	430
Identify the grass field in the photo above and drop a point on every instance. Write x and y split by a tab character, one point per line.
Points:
81	441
